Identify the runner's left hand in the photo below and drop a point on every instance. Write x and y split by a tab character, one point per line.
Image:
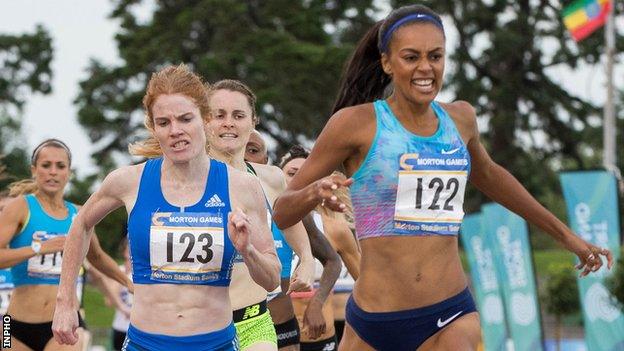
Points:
590	260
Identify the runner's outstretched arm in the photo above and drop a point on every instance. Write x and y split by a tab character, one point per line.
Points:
103	201
501	186
313	319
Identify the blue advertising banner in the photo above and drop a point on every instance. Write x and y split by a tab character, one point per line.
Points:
507	232
591	199
484	283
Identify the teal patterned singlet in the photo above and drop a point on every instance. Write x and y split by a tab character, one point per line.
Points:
410	184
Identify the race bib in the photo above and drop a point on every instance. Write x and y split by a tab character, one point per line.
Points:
430	194
186	247
46	265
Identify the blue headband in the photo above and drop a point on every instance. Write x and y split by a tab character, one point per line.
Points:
402	21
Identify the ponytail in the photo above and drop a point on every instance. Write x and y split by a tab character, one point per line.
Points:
22	187
363	79
148	148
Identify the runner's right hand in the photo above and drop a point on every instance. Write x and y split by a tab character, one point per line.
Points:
52	245
64	325
324	189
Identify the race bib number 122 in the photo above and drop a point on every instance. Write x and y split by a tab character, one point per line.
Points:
430	194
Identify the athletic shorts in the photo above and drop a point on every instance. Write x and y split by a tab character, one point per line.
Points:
118	339
255	329
219	340
288	333
329	344
36	335
407	330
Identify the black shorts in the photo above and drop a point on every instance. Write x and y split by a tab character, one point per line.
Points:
36	335
287	333
329	344
118	339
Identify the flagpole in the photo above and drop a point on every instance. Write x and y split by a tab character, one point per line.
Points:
609	128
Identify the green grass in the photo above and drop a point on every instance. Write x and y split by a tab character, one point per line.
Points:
98	315
544	259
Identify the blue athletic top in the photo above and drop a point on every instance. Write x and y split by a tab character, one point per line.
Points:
284	251
181	245
39	226
410	184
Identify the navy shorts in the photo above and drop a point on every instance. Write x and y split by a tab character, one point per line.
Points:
406	330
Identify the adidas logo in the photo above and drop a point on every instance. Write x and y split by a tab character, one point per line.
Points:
215	201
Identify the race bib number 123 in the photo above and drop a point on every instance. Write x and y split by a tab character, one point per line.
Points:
186	246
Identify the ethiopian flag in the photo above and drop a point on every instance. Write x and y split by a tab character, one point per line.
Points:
583	17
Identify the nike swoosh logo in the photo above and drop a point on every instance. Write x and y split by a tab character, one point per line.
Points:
449	152
441	323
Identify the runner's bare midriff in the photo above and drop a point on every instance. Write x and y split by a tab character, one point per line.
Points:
180	310
401	273
33	303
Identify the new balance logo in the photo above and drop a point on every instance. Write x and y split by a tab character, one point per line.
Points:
215	201
450	152
251	311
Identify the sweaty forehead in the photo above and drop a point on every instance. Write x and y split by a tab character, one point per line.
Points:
419	36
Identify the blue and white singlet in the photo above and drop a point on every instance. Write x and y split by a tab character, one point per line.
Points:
174	245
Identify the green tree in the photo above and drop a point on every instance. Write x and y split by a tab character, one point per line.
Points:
25	70
561	296
112	228
290	52
615	283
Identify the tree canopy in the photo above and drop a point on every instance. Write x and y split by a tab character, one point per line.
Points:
290	53
25	60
